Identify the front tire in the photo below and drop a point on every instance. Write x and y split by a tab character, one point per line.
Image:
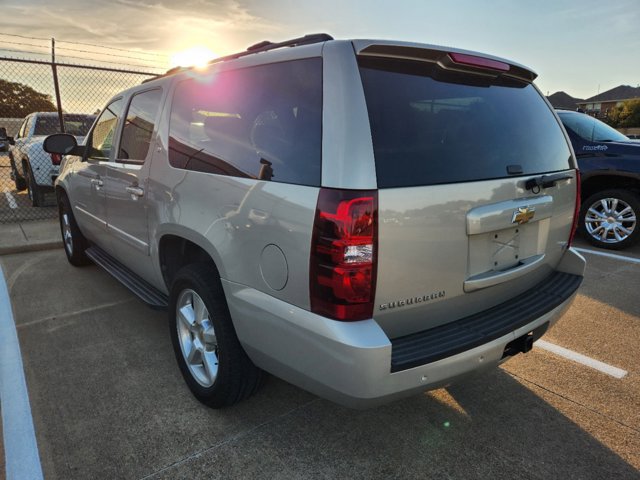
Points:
213	363
74	242
608	219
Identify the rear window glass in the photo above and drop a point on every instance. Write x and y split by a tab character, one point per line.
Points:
262	122
77	125
431	127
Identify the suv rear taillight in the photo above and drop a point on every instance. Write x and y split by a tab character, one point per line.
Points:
344	249
56	158
576	212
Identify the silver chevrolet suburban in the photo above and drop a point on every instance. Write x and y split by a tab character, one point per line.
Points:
364	219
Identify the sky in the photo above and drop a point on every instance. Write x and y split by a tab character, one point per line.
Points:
579	46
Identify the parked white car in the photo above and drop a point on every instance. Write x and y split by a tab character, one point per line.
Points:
31	167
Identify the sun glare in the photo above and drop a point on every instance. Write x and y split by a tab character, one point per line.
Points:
193	57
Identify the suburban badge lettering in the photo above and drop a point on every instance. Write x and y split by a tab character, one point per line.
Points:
410	301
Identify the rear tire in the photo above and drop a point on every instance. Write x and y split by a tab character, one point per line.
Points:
36	193
18	180
609	219
73	241
213	363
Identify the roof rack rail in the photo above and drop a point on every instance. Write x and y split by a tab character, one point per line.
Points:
267	45
263	46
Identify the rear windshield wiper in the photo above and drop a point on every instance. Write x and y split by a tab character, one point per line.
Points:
545	181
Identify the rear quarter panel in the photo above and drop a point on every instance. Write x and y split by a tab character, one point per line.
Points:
233	219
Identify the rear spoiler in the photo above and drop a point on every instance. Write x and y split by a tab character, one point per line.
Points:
446	58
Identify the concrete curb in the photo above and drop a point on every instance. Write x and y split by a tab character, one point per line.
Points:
30	236
19	438
30	247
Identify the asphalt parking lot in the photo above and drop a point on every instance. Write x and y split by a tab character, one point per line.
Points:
108	401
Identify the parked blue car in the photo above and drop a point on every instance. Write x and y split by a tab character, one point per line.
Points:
609	163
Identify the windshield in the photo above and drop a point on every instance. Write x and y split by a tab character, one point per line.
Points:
590	129
433	127
77	125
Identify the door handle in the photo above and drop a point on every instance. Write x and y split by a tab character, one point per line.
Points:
137	191
97	182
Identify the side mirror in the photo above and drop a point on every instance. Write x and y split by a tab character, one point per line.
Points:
61	143
10	140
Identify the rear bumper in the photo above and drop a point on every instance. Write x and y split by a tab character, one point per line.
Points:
352	363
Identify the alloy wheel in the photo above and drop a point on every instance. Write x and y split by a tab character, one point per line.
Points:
610	220
66	233
197	337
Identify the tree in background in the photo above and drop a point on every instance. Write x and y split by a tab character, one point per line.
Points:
18	100
626	115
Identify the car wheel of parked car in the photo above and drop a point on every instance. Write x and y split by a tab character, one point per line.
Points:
74	242
609	219
18	179
20	183
36	194
211	359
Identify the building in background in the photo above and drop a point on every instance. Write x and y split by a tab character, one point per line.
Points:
564	100
600	104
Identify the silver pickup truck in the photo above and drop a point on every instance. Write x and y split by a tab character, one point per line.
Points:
364	219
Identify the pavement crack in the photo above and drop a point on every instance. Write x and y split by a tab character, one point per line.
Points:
23	232
20	270
575	402
237	436
73	313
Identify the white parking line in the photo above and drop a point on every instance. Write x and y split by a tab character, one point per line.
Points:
11	200
583	359
609	255
20	447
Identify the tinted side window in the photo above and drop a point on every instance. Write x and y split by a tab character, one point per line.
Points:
430	126
581	125
604	133
139	125
591	129
262	122
100	141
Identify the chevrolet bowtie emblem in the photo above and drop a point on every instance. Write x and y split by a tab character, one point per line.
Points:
523	215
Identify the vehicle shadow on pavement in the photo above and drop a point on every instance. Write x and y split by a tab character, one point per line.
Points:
108	401
126	413
504	430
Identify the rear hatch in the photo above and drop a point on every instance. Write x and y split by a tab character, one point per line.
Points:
460	144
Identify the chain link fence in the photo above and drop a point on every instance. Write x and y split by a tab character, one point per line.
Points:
38	98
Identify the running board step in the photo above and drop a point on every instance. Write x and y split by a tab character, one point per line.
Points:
147	293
